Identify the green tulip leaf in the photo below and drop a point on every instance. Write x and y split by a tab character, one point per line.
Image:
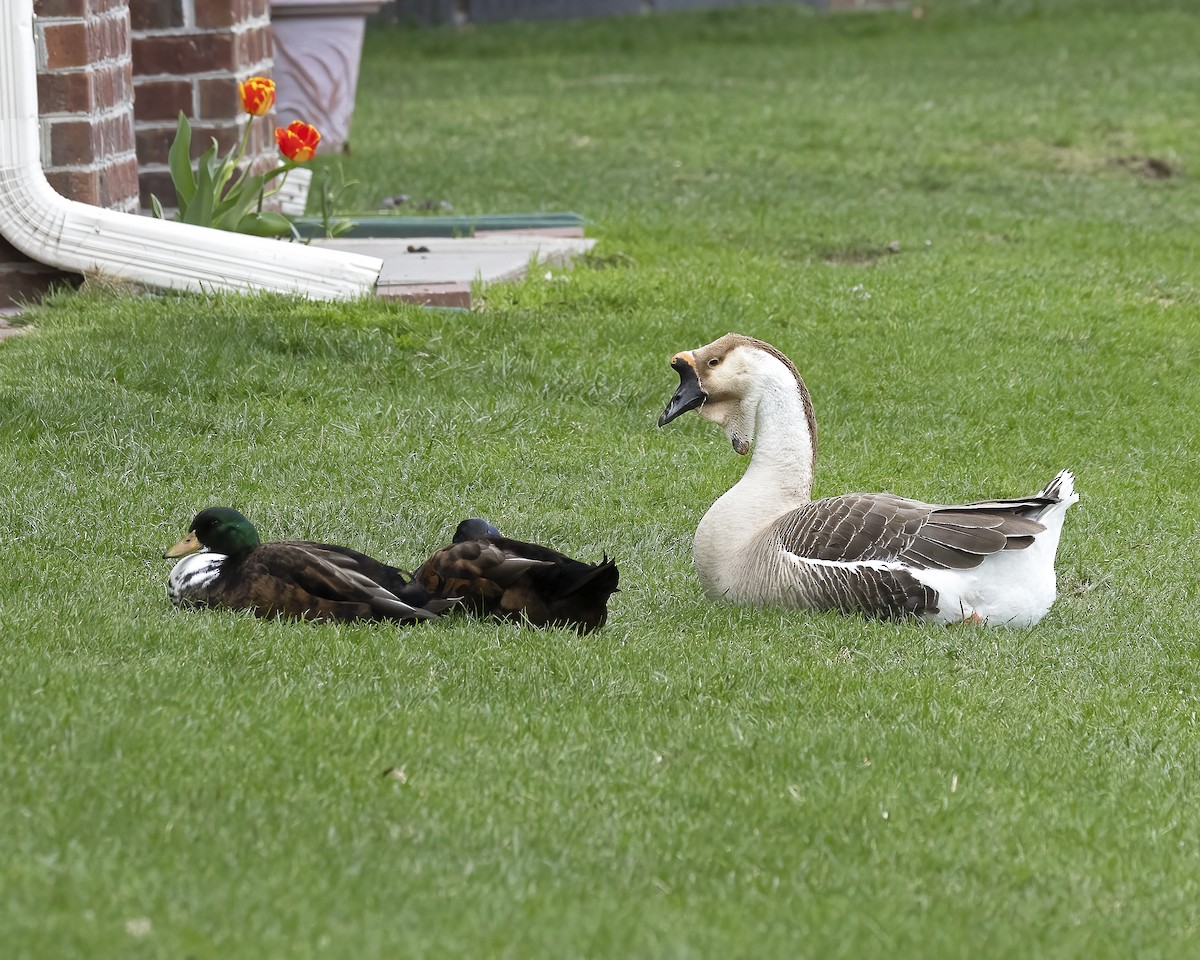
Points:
200	210
265	225
179	162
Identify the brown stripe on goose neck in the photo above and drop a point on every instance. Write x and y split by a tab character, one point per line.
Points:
743	340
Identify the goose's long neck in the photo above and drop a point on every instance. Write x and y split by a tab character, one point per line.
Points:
781	464
780	474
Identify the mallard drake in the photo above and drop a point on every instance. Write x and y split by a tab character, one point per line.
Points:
766	542
515	580
225	565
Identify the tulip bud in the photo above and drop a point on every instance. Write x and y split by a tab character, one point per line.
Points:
298	142
258	96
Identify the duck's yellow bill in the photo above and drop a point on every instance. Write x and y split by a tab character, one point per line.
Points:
188	544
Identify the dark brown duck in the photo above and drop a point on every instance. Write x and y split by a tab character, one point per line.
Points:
497	576
225	565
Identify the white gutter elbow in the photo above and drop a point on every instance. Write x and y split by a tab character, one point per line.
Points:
78	237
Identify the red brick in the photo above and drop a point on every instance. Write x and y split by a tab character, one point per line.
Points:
20	287
221	13
112	85
81	185
108	38
268	42
115	135
253	47
119	185
114	186
65	93
227	135
158	183
66	45
71	142
153	143
101	88
82	141
219	98
83	43
155	14
60	8
177	55
162	99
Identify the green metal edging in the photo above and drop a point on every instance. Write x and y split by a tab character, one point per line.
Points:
386	225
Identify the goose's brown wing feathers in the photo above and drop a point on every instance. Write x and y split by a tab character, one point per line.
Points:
883	527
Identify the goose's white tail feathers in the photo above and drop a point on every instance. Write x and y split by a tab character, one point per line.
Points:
1061	491
1061	488
1014	587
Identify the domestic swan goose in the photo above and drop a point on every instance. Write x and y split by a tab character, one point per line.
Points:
765	541
497	576
221	563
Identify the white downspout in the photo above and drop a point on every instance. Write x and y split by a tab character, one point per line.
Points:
74	236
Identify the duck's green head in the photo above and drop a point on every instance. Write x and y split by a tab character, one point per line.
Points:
219	529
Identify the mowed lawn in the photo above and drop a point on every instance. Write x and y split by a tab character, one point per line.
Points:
694	780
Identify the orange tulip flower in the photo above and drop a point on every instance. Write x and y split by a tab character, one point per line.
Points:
258	96
298	142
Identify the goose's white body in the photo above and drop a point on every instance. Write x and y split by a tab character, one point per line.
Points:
766	542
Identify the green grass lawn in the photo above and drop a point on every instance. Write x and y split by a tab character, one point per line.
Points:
694	780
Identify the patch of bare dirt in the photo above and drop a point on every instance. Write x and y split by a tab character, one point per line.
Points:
860	256
1152	168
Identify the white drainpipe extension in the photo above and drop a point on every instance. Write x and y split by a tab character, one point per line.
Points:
78	237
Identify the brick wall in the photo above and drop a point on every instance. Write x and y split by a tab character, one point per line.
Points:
189	55
85	85
112	78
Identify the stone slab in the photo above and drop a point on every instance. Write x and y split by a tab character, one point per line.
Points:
6	329
442	270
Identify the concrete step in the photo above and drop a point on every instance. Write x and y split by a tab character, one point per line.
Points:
441	271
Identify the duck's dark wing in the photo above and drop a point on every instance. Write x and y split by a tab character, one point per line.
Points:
881	527
314	582
390	578
519	580
476	570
